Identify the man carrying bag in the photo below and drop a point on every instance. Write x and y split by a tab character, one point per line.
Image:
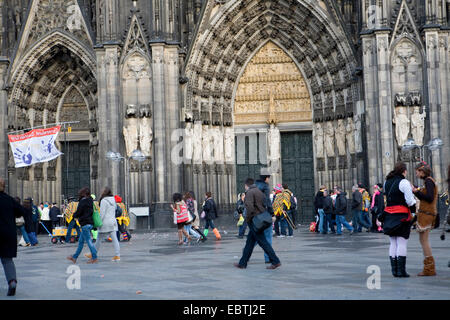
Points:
258	219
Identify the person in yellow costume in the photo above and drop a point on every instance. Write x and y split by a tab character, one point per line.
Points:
123	219
72	223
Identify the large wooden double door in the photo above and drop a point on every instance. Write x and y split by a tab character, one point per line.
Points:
75	167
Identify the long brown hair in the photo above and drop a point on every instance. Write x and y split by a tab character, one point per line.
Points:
106	193
399	168
84	193
424	168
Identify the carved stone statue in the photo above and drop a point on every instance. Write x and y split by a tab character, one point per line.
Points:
350	135
418	125
340	137
217	145
401	122
358	142
206	145
188	143
146	136
131	129
318	140
274	142
329	138
229	144
197	142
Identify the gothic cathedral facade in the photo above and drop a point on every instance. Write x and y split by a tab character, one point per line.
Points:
313	92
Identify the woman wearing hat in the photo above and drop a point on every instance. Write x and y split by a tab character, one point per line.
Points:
426	216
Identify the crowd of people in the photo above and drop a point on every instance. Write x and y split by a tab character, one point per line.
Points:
394	208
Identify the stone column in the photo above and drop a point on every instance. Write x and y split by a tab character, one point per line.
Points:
109	124
436	120
4	144
172	116
384	103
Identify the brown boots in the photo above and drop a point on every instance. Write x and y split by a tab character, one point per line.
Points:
428	267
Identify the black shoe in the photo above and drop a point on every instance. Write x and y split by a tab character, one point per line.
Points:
12	288
394	266
401	267
237	265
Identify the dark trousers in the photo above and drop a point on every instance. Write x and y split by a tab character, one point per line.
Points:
259	238
330	222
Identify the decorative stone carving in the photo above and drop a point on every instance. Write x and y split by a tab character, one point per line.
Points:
340	137
401	122
188	142
38	172
350	135
358	134
217	145
274	143
229	144
329	138
206	145
418	125
318	140
145	136
271	80
146	165
197	142
131	129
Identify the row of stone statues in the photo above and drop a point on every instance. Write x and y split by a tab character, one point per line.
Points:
346	136
137	129
406	120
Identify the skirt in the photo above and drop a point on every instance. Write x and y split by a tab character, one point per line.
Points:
425	221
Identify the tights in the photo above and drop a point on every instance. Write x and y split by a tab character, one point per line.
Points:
398	247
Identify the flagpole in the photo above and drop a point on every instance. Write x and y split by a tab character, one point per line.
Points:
46	125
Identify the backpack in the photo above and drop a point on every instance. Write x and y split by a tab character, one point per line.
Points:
191	209
366	201
118	211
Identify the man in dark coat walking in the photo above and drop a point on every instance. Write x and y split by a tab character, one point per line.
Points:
9	211
254	203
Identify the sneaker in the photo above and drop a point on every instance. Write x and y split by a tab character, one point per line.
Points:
12	288
280	236
91	261
237	265
116	258
290	236
72	259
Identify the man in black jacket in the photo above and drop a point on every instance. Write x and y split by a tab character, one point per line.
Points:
318	210
254	203
341	211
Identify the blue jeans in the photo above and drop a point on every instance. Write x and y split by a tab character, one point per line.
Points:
33	239
322	222
330	223
243	228
364	220
340	220
356	220
285	224
209	223
71	225
252	239
86	236
24	233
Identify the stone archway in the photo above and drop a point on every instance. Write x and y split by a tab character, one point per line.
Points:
39	85
229	35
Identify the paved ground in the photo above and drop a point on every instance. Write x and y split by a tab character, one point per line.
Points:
154	267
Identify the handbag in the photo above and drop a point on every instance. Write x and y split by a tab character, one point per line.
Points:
98	223
20	221
203	215
262	221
